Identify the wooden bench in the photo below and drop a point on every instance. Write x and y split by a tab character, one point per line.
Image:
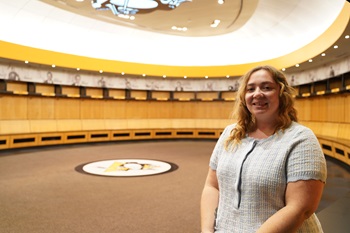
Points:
29	133
334	139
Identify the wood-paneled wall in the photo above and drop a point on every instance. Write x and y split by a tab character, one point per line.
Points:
23	107
34	120
328	108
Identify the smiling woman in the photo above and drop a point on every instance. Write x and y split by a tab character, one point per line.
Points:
263	167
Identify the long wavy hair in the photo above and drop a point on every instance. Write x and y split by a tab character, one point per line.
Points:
246	122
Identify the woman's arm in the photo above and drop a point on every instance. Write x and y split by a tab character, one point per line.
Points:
209	202
302	199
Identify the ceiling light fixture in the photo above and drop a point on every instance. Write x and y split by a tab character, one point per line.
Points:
221	2
215	23
131	17
323	54
347	37
335	46
310	60
179	28
131	7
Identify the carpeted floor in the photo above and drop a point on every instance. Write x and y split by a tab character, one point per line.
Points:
41	192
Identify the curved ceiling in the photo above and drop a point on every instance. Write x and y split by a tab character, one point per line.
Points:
279	32
195	15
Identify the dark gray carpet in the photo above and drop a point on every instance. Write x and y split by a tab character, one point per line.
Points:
41	192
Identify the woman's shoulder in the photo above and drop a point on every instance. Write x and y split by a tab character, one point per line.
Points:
230	127
299	128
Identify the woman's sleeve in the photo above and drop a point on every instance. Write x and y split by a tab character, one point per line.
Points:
306	160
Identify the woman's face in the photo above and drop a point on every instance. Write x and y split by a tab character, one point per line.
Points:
262	95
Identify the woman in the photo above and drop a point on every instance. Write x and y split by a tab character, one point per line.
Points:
267	172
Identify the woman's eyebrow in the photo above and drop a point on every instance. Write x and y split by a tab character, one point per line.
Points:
262	83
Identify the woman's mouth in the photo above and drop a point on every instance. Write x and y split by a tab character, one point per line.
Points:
260	104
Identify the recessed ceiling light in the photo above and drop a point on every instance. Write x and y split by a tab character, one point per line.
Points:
185	76
144	75
206	76
323	54
53	65
26	62
227	76
179	28
215	23
335	46
78	69
347	37
164	76
131	17
297	65
101	71
283	69
310	60
122	73
221	2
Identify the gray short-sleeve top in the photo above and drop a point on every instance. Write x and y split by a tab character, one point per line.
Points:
253	176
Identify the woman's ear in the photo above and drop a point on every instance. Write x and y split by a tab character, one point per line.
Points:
282	87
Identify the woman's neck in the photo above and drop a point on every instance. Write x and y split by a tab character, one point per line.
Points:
263	130
259	134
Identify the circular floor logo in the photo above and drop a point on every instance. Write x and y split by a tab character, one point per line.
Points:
127	167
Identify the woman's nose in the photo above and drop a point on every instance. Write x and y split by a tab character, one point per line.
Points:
257	92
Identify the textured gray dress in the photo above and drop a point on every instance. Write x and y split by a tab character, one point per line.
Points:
253	177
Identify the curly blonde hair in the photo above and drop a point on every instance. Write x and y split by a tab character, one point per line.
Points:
245	120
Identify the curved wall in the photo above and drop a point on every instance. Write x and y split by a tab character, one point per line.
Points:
37	115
